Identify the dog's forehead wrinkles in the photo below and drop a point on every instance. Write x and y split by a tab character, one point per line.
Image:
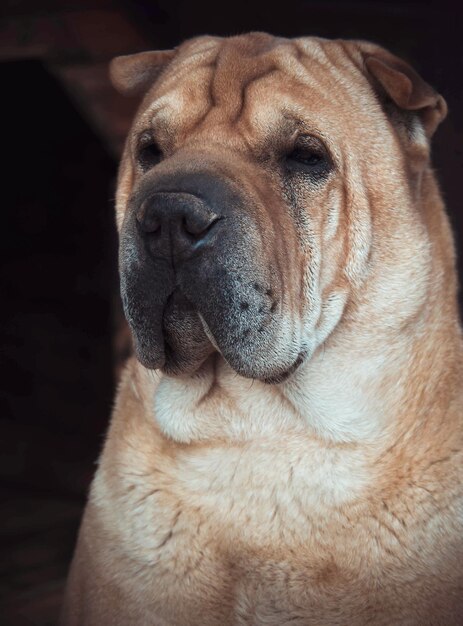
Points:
215	78
237	92
239	63
225	68
237	70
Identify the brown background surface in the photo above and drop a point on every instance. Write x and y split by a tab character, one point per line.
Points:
61	335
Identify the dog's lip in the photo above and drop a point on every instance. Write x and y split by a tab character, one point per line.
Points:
148	361
283	376
271	380
208	332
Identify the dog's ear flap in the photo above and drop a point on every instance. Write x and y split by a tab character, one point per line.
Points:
133	74
401	84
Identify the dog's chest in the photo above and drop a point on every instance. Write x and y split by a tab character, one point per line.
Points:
229	532
268	532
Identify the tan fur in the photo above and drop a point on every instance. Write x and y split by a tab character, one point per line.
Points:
334	497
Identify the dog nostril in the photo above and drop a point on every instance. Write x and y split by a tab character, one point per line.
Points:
191	228
152	226
176	220
148	222
197	229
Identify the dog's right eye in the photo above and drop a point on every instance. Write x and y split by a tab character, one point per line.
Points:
149	154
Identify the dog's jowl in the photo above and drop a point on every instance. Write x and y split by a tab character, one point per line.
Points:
287	443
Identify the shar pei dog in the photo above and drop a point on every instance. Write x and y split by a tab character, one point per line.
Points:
286	445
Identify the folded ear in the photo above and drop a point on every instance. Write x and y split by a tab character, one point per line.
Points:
399	82
133	74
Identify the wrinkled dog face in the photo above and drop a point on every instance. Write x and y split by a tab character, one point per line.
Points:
244	200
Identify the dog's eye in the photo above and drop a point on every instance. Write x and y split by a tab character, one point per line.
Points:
305	156
308	156
149	154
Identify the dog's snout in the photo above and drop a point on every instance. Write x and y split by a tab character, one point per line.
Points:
175	222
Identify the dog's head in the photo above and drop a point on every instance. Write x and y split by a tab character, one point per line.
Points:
261	179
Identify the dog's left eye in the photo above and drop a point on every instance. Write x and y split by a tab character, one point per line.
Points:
309	156
305	156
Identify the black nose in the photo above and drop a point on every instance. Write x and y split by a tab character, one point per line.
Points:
177	224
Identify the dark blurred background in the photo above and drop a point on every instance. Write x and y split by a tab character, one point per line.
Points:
62	336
